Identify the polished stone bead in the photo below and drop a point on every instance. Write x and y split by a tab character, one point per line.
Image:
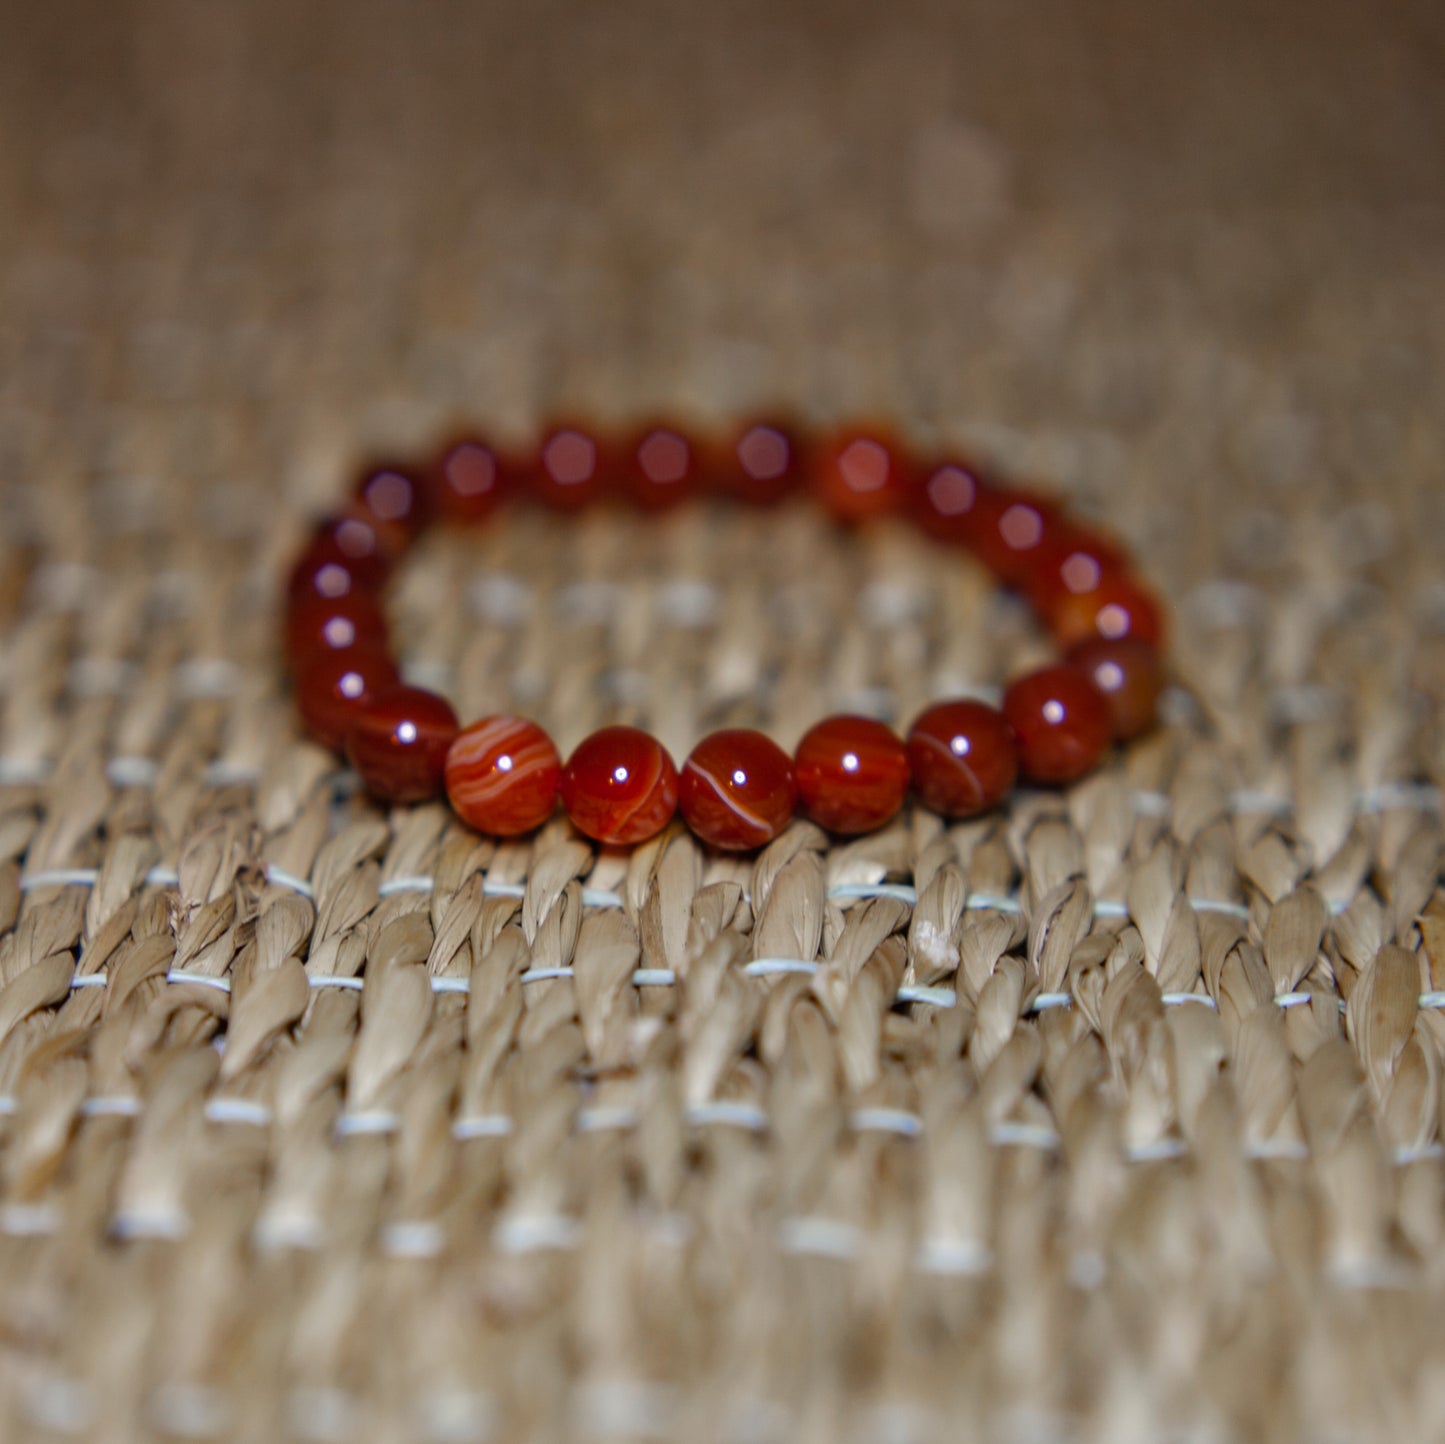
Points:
944	503
501	775
1120	606
619	786
1130	675
1010	530
322	572
333	687
398	742
349	541
392	497
326	624
859	475
572	469
852	773
762	463
660	468
466	482
963	757
737	789
1061	722
1071	563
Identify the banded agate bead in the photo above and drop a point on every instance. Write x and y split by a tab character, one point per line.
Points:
1129	675
963	757
1061	722
852	774
619	786
398	743
501	775
737	789
332	688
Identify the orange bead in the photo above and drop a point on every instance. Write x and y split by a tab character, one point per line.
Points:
737	789
963	757
619	786
858	475
1129	675
501	775
398	742
1118	607
852	774
1061	722
332	688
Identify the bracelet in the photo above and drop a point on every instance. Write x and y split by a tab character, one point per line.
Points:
737	789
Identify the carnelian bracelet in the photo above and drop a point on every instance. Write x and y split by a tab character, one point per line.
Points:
737	789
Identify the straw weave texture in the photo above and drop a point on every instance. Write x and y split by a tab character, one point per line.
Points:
1113	1117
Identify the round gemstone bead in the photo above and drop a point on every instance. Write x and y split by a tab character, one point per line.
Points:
466	482
1072	563
352	542
392	497
325	624
963	757
945	501
761	464
1118	607
1061	722
319	573
398	742
570	470
1009	532
737	789
859	475
1129	675
660	469
852	773
501	775
333	687
619	786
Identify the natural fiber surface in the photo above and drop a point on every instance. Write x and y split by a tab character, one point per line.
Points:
1113	1117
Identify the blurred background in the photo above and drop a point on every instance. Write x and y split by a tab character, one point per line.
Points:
1170	248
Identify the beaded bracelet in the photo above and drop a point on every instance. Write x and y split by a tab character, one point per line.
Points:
737	789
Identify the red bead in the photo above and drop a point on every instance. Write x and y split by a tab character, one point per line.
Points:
501	775
1061	722
353	542
1130	675
466	482
852	773
398	743
1009	532
737	789
570	471
619	786
762	464
963	757
859	475
1072	563
333	687
391	497
321	572
1118	607
661	468
945	502
323	624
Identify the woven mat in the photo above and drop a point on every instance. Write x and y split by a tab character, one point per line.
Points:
1112	1117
